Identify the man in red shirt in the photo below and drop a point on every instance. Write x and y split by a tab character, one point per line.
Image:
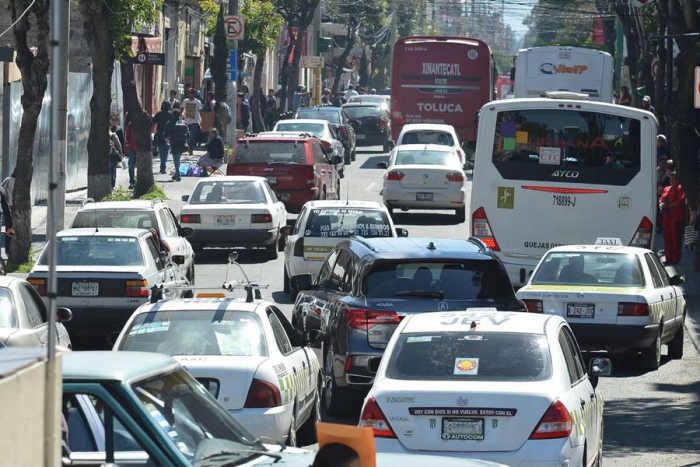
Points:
672	207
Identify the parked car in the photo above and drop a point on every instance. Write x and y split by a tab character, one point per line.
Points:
506	387
103	276
23	316
322	130
371	123
615	298
366	286
433	133
322	224
424	176
296	166
234	211
139	214
337	117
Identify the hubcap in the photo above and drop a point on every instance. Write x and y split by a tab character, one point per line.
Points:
328	378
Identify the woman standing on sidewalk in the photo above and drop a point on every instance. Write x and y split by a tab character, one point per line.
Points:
160	121
672	208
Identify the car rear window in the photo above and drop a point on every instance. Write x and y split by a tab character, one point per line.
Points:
197	332
344	222
315	129
8	314
424	157
91	218
228	192
575	268
470	356
454	280
96	251
363	111
428	137
270	152
330	115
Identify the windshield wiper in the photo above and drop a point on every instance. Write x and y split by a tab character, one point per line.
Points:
237	453
420	294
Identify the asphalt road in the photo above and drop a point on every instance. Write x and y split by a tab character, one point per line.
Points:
651	418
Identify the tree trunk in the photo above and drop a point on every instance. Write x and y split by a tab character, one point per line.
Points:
660	79
141	124
285	71
343	57
34	70
258	121
293	69
102	56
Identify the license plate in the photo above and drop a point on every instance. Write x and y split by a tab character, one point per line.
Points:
271	180
85	289
225	220
424	196
463	428
360	136
580	310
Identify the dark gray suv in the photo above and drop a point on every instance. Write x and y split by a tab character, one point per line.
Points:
366	286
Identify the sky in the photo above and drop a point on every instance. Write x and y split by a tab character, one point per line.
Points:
515	12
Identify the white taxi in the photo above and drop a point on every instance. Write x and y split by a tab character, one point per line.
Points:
615	298
504	387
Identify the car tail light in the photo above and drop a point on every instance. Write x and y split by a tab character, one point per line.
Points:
137	288
262	394
555	423
373	417
382	124
310	176
343	130
642	237
395	175
326	144
299	247
455	177
39	285
348	364
534	306
361	318
260	218
482	229
396	113
632	309
189	219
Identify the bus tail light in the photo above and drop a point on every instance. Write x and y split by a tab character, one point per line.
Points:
373	417
642	237
632	309
455	177
534	306
481	229
396	113
395	175
555	423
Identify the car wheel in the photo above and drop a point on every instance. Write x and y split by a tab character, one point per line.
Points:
336	400
651	356
190	276
353	155
337	191
461	214
347	157
286	285
675	347
292	436
271	250
307	432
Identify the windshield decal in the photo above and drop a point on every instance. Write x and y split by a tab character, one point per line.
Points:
466	366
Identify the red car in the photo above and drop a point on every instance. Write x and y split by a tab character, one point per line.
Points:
296	166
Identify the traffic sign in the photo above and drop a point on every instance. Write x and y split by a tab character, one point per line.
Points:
149	58
234	26
697	87
311	61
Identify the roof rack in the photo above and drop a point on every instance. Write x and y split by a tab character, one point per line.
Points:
154	201
478	242
86	201
252	288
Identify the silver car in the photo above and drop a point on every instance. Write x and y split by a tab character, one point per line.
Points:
322	130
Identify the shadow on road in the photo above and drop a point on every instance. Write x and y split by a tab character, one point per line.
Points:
220	256
422	218
371	162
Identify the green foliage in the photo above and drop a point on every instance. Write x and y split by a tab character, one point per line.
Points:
262	26
24	268
219	61
409	14
210	9
123	15
369	15
553	21
124	194
296	13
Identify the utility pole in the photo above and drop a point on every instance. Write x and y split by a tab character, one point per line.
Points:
232	89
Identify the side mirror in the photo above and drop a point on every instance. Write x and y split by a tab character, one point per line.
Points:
401	232
382	165
291	222
185	197
598	367
302	282
313	338
178	259
63	314
286	230
677	279
185	232
335	160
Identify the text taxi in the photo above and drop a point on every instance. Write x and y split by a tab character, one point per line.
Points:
614	297
501	386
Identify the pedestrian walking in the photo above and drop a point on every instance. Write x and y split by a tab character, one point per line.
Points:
130	151
177	134
172	99
242	112
270	109
116	152
673	214
625	97
160	121
7	193
350	92
192	107
646	105
661	148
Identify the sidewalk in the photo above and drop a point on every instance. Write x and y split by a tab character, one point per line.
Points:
692	296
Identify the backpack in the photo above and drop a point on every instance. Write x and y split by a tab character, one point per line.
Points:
229	119
179	136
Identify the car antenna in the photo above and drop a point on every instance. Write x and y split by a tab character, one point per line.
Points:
347	193
95	215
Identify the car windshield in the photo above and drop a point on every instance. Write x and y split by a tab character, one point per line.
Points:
124	219
473	356
192	418
428	137
8	314
197	332
270	152
374	99
600	268
424	157
315	129
330	115
454	280
364	111
228	192
344	222
96	251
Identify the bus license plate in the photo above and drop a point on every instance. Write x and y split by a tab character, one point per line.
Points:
580	310
463	428
85	289
225	220
271	180
424	196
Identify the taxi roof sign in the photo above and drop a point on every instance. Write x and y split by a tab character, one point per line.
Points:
608	241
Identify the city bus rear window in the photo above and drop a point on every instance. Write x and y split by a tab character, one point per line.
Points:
567	145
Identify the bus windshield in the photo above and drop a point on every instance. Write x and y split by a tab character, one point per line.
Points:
532	144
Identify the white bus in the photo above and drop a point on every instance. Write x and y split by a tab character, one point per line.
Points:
554	171
573	69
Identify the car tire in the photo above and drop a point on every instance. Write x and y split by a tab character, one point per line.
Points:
353	155
337	191
271	250
675	346
307	432
292	435
461	214
347	157
651	356
190	276
286	283
336	400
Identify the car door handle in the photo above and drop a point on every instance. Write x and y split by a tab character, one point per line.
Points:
294	370
592	396
583	403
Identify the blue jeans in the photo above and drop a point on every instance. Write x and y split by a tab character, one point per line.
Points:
176	163
132	166
113	172
194	133
163	151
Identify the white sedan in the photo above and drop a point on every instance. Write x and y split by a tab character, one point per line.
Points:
432	133
424	176
506	387
244	352
615	298
234	211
